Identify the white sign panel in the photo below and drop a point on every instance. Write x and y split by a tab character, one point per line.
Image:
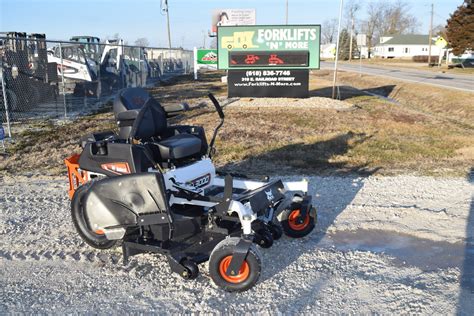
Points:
361	40
232	17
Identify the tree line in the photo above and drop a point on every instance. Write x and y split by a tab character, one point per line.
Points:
390	18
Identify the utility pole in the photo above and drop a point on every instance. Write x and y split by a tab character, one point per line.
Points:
286	14
337	51
352	34
431	35
164	7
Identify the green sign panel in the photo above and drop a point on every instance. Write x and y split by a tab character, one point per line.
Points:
277	41
207	56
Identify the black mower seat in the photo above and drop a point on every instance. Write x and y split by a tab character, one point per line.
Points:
179	146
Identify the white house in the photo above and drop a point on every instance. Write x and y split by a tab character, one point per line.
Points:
328	51
405	46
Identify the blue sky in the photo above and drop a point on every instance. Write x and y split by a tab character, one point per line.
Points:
132	19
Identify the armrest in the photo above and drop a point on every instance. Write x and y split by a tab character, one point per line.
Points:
128	115
175	109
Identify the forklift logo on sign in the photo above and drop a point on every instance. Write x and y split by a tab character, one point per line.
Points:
238	40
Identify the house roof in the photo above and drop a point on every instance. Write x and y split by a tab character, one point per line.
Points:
409	39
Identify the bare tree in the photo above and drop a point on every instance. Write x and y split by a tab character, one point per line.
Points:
388	19
116	36
369	26
351	9
213	44
328	31
440	30
142	42
396	19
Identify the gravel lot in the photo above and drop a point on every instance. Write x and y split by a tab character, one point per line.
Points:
382	244
313	102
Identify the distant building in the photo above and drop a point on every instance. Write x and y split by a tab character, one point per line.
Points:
328	51
405	46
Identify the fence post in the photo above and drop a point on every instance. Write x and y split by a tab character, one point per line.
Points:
62	79
195	64
5	100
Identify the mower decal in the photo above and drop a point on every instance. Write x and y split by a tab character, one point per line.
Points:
201	181
116	167
269	194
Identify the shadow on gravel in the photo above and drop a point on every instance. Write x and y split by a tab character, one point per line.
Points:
347	92
466	296
331	194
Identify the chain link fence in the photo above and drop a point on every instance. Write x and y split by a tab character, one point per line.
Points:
58	79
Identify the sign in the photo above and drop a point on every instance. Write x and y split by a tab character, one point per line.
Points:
268	59
207	56
361	39
230	17
441	42
268	83
272	39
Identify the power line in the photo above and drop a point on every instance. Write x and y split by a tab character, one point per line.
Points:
431	35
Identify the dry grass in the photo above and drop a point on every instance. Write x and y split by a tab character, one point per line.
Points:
421	129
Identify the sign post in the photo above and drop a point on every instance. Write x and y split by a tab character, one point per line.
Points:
268	60
5	102
195	64
362	41
441	43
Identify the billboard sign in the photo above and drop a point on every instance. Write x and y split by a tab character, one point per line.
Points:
207	56
361	39
284	46
222	17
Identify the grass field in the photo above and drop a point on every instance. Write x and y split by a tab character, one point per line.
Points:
406	128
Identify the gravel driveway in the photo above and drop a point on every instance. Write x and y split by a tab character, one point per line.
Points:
382	244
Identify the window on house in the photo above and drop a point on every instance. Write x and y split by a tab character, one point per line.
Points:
391	49
407	50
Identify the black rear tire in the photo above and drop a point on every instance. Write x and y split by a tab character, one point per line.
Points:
80	222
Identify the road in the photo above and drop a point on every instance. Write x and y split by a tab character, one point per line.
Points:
451	81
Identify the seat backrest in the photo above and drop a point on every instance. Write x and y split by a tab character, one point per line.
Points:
138	115
130	99
151	121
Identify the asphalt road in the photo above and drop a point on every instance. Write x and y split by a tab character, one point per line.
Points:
452	81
